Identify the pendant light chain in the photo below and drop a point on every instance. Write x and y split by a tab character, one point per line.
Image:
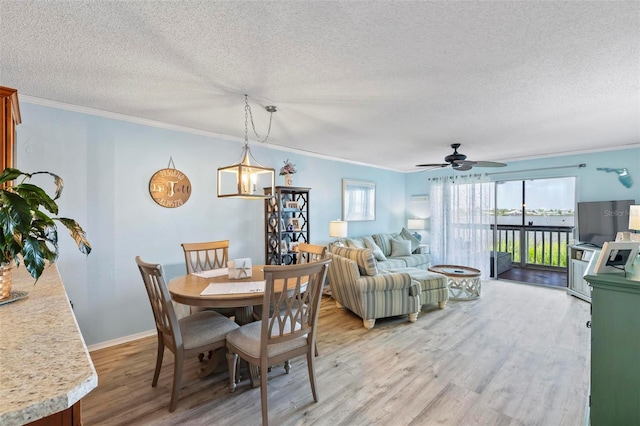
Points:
248	115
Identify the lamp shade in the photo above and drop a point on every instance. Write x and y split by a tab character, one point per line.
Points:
416	224
337	229
634	218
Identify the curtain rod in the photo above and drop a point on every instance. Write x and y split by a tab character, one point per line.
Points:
457	176
581	165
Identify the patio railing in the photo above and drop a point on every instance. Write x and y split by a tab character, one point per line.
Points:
535	246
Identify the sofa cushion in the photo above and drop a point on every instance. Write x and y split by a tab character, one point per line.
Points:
363	258
416	260
355	243
370	244
428	280
415	243
400	248
384	242
392	263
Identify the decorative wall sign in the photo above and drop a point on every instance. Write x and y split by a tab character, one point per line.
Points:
170	187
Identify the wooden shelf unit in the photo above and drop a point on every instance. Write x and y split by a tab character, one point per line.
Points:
278	223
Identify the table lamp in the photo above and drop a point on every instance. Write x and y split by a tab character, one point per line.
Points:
416	225
337	229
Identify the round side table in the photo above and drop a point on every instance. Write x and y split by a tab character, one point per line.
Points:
464	281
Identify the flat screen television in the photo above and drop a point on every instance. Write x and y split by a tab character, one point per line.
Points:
600	221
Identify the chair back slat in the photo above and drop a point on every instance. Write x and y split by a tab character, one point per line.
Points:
310	252
293	312
206	256
160	299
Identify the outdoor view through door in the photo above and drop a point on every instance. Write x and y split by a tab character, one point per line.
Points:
534	222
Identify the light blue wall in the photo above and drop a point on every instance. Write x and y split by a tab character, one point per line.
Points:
106	165
592	184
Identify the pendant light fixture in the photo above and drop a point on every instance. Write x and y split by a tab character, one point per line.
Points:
247	178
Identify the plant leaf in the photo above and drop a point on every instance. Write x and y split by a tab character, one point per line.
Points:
18	212
10	174
56	179
35	196
34	256
77	233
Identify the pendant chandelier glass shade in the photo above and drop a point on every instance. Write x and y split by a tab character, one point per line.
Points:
247	178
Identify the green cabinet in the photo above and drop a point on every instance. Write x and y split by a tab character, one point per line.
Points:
615	347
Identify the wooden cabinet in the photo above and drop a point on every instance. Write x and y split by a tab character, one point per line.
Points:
10	116
72	416
579	257
286	223
48	335
615	347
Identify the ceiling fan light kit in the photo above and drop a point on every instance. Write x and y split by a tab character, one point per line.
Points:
459	161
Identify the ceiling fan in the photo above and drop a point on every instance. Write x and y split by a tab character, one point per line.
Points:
460	163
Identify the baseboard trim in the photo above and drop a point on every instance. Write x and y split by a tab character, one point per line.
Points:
121	340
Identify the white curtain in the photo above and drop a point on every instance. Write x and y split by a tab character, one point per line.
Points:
461	221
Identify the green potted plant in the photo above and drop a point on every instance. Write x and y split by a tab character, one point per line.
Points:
28	232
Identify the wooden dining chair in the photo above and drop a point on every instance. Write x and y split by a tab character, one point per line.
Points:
284	332
194	334
206	256
310	252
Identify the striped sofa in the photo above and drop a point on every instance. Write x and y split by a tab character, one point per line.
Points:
356	284
383	250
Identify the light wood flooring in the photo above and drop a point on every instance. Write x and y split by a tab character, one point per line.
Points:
519	355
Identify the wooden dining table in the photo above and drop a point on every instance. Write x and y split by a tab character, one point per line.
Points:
187	289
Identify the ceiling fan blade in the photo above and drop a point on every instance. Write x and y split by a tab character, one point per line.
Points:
462	166
488	164
433	165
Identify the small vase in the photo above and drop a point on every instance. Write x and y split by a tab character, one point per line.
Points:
5	281
288	180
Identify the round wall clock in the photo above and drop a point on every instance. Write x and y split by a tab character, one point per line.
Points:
170	188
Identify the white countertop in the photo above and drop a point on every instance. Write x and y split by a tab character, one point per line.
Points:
45	366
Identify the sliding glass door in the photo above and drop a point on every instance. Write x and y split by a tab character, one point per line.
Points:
534	221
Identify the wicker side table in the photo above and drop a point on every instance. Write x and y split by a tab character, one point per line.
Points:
464	281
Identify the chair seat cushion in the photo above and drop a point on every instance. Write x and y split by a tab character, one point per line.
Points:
247	339
205	327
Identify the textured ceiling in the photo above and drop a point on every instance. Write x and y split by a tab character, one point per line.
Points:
390	84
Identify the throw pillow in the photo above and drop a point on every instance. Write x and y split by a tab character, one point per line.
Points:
377	252
354	243
384	242
415	243
400	248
